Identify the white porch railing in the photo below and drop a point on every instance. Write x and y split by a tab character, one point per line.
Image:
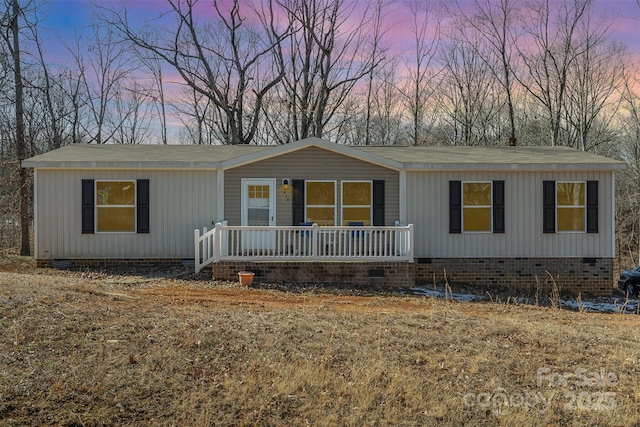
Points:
204	248
302	243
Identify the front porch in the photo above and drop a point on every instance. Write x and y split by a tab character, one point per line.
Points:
311	243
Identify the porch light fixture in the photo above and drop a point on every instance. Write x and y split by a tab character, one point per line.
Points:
286	187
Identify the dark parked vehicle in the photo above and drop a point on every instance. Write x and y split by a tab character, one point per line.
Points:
629	281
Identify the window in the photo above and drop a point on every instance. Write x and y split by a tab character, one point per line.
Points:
115	206
356	202
315	201
571	206
476	206
258	208
320	202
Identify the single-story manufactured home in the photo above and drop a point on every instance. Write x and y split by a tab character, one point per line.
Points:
318	211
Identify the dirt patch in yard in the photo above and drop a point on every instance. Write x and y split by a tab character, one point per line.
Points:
277	300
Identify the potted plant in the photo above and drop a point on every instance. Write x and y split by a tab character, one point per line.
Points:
245	277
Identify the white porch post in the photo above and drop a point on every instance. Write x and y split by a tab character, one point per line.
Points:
314	242
205	245
220	194
196	256
410	242
402	196
217	241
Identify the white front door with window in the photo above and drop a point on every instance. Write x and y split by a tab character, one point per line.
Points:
258	209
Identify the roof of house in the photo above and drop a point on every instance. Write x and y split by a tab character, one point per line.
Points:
394	157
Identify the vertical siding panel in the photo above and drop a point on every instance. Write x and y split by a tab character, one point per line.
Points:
184	200
180	201
163	205
195	206
168	202
174	212
45	203
188	208
72	197
163	190
427	202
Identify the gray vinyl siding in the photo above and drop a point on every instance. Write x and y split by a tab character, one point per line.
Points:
308	164
428	210
180	202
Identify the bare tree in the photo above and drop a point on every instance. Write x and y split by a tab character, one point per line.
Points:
328	55
107	68
197	114
386	116
15	24
231	61
468	98
277	111
556	45
155	65
74	89
628	183
377	51
494	21
425	30
131	112
594	80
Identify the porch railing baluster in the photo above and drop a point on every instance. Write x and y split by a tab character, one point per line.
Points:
303	243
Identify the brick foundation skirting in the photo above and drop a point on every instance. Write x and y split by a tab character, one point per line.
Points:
399	274
586	275
116	262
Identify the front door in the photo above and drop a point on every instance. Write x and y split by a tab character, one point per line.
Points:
258	209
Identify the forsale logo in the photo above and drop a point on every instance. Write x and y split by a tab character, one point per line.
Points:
581	377
500	401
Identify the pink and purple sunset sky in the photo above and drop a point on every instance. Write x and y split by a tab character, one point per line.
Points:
64	19
68	17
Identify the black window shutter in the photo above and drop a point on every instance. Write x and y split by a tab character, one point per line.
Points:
498	206
378	202
455	207
88	200
592	206
298	201
142	206
549	206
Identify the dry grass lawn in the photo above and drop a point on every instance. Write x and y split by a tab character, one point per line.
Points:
92	349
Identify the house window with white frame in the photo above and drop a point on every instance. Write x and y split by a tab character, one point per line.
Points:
356	202
116	206
476	206
320	202
570	206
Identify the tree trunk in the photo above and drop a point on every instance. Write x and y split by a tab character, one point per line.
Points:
20	146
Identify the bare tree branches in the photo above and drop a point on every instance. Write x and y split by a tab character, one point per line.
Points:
494	21
468	96
231	62
421	83
549	62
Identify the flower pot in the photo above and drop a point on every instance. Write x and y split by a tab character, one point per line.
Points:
245	277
